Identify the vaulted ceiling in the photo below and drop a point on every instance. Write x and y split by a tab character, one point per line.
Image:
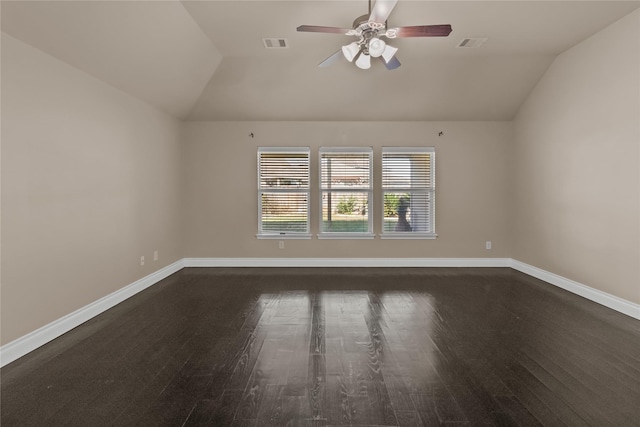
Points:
205	60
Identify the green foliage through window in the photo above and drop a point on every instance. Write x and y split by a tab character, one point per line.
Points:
346	205
391	201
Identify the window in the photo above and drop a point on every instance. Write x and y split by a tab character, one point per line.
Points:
283	192
346	190
408	191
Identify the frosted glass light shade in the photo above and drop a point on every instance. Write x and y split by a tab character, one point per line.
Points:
350	51
389	53
376	47
363	61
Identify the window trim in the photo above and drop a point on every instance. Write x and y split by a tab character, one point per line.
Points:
292	234
409	235
370	190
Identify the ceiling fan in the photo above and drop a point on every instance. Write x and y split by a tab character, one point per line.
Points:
369	29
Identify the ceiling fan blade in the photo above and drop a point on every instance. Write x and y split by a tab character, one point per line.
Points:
422	31
392	64
321	29
381	10
330	60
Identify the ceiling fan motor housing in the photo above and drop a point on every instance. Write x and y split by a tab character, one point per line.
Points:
367	30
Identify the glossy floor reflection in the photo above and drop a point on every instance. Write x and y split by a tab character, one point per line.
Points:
392	347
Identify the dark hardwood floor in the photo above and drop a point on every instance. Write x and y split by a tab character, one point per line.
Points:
316	347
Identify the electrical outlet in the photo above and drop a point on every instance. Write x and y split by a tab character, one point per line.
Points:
281	244
155	255
487	244
142	260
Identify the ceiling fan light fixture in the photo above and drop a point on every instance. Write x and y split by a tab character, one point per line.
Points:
350	51
369	29
364	61
389	53
376	47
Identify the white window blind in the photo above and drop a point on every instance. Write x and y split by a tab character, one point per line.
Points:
283	192
346	191
408	188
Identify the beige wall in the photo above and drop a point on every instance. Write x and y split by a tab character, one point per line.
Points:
92	179
472	199
576	165
90	182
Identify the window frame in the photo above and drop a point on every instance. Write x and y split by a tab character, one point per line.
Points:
262	234
427	190
370	190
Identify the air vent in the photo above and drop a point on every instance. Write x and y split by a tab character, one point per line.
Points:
472	42
275	43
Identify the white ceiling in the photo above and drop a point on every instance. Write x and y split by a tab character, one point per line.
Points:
204	60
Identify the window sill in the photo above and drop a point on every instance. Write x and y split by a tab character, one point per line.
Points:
299	236
408	236
357	236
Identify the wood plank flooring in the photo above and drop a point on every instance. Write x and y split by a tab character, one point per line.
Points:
336	347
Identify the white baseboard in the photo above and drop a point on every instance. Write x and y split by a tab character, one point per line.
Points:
611	301
347	262
27	343
41	336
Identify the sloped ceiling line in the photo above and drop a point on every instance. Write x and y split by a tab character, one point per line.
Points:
204	60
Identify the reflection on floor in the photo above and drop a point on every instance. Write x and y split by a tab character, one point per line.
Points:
272	346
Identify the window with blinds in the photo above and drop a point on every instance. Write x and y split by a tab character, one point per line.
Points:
283	192
346	191
408	191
